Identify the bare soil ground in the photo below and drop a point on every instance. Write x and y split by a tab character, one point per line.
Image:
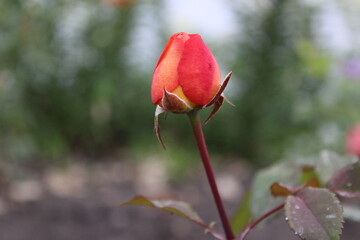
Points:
80	203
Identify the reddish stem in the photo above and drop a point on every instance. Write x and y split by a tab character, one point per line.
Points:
256	222
200	140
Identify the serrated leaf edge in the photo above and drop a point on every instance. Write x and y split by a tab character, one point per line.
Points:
287	211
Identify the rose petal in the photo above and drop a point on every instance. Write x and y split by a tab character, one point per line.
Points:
198	71
165	73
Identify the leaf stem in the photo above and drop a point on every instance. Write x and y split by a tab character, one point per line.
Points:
201	144
256	222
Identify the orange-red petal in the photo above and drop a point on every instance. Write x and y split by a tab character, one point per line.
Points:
165	73
198	71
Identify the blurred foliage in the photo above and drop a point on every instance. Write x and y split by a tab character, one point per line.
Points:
69	83
279	69
67	71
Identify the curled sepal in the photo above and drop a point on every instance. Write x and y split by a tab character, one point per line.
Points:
159	110
179	208
217	105
221	90
218	100
172	103
228	101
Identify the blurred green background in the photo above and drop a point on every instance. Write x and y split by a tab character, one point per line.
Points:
75	78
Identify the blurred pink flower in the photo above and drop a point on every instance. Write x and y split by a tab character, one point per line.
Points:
351	68
353	140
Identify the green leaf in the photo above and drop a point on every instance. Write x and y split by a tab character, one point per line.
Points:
315	214
309	174
346	181
262	201
329	162
242	216
175	207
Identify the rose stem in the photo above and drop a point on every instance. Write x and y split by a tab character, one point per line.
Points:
201	144
253	224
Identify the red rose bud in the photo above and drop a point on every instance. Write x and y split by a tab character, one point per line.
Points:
186	76
353	141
